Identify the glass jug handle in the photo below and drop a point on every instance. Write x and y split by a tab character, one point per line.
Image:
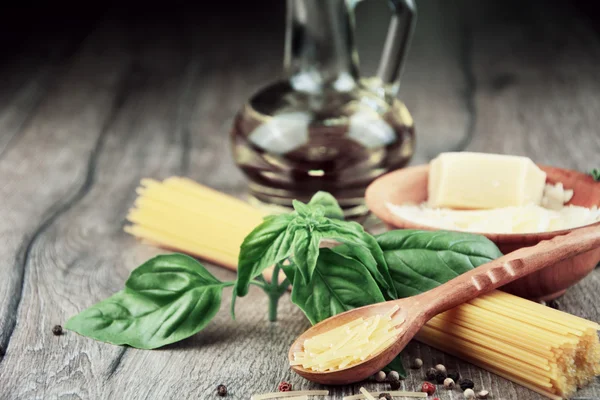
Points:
396	46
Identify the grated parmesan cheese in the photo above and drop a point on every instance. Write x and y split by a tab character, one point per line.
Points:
553	215
556	196
349	344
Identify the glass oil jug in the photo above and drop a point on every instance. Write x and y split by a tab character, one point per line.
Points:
325	127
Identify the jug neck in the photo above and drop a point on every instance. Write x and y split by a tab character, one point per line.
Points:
319	52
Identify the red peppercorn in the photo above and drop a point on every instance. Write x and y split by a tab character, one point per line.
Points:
428	388
285	387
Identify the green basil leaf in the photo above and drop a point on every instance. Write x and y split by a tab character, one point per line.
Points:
301	208
421	260
305	252
289	270
339	283
330	205
364	247
396	365
166	277
269	243
166	299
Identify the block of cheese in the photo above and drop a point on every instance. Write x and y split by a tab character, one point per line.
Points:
467	180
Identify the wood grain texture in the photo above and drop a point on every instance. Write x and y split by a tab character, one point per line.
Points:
45	151
156	97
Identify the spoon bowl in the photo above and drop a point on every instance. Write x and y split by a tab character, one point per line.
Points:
409	322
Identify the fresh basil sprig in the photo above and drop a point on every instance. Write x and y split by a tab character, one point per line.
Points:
297	236
595	173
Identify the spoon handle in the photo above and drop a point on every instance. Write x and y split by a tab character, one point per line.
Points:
510	267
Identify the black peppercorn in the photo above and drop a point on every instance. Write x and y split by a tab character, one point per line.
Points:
393	376
466	384
222	390
385	396
553	304
57	330
454	375
440	376
395	385
430	374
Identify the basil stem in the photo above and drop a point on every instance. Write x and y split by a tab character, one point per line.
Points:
274	290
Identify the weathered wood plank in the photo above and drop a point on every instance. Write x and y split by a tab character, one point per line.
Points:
31	61
243	68
82	255
44	172
25	79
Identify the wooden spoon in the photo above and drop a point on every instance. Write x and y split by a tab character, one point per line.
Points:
417	310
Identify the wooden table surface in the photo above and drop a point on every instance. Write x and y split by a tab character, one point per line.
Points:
87	112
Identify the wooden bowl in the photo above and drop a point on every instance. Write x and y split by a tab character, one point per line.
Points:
409	185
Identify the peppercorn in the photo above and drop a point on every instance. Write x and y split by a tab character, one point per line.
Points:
553	304
393	376
440	377
428	388
466	384
385	396
222	390
395	385
284	387
57	330
454	375
449	383
380	376
441	368
483	394
469	394
430	374
417	363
